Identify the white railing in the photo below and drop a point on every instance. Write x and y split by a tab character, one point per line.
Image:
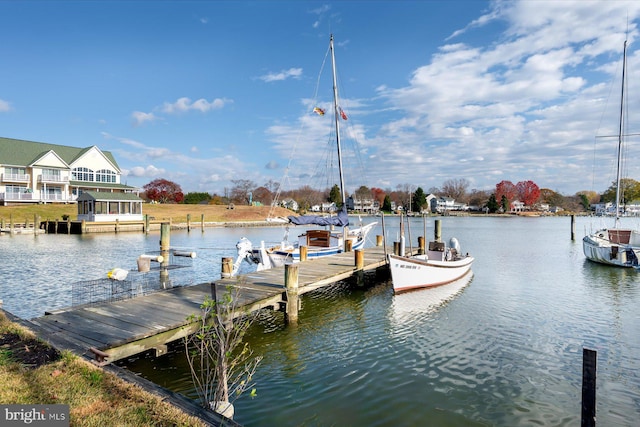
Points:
53	178
15	177
16	196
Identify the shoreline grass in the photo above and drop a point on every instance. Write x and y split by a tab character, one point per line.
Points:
95	397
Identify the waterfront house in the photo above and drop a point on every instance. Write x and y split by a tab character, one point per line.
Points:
36	172
100	206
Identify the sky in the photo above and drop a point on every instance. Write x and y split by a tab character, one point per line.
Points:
205	93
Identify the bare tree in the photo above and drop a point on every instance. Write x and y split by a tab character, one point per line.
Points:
455	188
221	365
241	189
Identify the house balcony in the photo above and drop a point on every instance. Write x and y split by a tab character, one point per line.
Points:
14	196
14	177
53	179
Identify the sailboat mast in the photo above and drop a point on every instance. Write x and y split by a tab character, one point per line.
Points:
337	120
620	133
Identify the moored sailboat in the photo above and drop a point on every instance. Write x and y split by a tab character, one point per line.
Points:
332	239
615	246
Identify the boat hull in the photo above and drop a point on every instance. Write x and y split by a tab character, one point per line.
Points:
278	258
598	247
409	273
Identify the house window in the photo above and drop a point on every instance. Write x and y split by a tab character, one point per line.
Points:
82	174
105	175
51	175
15	190
101	208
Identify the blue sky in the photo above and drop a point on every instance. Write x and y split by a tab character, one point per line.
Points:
206	92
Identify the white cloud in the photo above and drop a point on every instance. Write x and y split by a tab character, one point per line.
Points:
4	106
147	172
295	73
184	104
140	118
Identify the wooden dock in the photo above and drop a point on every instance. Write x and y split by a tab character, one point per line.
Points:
111	331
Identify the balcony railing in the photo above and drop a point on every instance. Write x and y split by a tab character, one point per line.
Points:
15	177
53	178
12	195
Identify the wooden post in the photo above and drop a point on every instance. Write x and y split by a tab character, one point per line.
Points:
165	239
573	228
188	223
83	226
438	230
11	230
291	285
227	267
303	253
396	248
202	222
589	387
35	221
379	240
359	260
421	245
55	228
117	225
348	245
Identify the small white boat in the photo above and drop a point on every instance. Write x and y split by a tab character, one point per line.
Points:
439	266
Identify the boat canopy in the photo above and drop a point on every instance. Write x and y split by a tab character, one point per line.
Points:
341	220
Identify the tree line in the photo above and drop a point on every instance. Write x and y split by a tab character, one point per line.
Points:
409	196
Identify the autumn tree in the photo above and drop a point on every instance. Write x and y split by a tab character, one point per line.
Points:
163	191
363	193
378	195
263	195
630	191
528	192
508	191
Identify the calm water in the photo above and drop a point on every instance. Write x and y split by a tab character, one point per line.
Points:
505	350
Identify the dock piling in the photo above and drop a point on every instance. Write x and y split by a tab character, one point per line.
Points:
589	387
291	284
227	267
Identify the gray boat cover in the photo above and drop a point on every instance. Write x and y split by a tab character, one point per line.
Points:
341	220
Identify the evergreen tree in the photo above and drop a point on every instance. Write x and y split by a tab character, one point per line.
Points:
335	196
386	205
419	200
492	204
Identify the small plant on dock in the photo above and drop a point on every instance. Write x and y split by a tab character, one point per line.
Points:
222	366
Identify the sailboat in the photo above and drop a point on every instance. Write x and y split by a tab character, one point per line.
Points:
318	242
615	246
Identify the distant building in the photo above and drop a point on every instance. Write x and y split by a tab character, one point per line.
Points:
35	172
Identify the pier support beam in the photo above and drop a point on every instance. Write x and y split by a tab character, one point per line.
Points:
421	245
303	253
165	239
293	297
573	228
437	232
202	222
359	260
379	240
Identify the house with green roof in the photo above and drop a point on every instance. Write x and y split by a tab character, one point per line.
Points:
36	172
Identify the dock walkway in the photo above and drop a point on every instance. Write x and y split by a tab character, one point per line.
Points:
111	331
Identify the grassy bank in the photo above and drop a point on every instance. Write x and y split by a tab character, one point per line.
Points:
33	373
177	213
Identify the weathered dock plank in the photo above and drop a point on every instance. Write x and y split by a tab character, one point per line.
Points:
124	328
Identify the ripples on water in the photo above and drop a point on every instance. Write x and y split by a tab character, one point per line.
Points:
505	350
